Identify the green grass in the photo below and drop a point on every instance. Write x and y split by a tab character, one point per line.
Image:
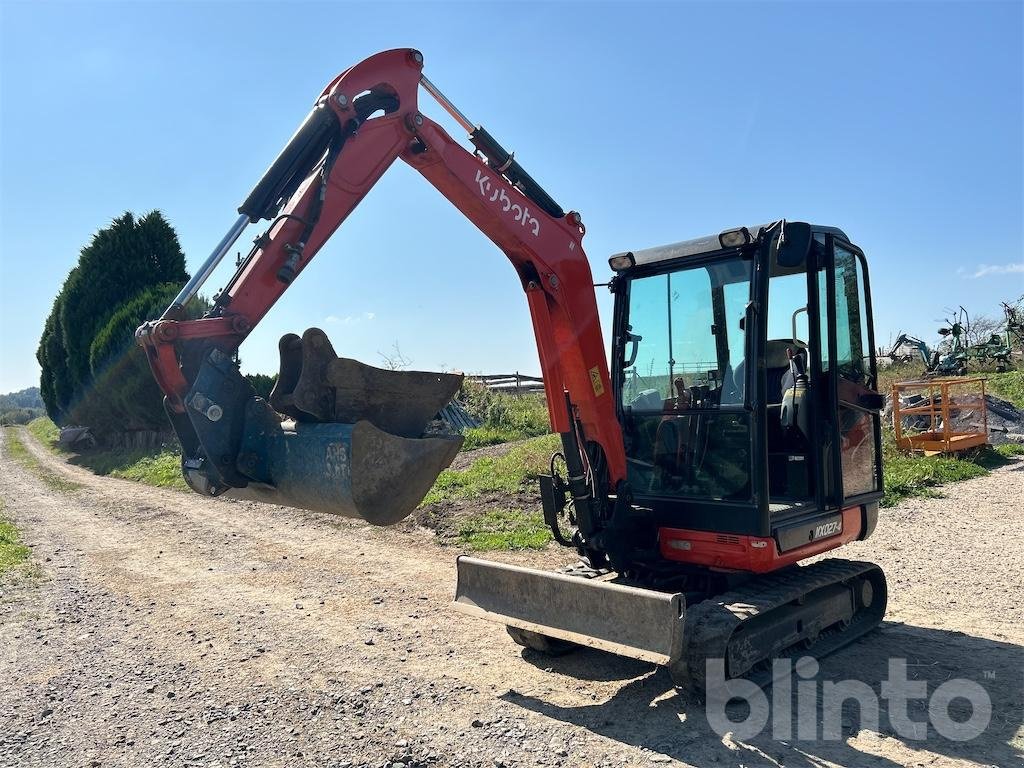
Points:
479	437
505	529
161	469
16	448
506	474
154	467
12	551
905	475
1009	386
1008	450
45	431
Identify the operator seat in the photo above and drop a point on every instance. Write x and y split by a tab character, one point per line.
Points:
776	361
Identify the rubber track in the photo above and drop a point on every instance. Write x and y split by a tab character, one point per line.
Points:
711	623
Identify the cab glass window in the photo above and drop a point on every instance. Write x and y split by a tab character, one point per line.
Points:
687	331
683	381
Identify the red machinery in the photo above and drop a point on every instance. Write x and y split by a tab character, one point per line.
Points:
723	443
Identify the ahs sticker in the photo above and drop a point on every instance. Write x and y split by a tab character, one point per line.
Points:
496	194
830	528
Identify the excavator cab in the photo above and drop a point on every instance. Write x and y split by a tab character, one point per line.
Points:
746	386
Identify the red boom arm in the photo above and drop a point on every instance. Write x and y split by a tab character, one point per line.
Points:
546	250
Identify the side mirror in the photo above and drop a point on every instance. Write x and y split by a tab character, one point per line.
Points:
796	242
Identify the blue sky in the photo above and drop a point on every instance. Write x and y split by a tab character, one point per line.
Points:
900	123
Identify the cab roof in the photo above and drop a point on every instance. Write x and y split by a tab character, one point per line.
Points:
710	244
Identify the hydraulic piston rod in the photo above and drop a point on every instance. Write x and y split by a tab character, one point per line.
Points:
450	108
203	273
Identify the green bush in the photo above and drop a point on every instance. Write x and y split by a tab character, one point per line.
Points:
123	260
54	383
121	277
124	395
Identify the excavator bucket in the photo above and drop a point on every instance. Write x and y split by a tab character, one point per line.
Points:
352	470
357	441
639	623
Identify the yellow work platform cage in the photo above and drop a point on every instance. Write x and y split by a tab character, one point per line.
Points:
944	419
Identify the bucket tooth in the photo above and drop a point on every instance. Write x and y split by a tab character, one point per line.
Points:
303	390
281	396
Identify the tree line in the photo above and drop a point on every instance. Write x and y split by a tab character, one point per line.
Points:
20	407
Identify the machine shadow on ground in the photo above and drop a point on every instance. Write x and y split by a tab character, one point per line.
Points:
647	712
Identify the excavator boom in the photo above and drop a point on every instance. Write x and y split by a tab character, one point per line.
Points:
365	119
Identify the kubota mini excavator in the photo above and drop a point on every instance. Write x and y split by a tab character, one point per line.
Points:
736	433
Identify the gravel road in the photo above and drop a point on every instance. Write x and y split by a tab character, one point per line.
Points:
164	629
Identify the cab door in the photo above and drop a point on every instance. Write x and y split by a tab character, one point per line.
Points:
850	432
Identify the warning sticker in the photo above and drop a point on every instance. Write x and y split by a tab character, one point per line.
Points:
595	381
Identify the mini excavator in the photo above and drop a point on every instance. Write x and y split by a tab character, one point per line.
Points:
730	432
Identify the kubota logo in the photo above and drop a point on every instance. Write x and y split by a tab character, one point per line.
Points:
828	529
496	194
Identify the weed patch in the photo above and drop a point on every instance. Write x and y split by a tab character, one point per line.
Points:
45	431
12	551
503	417
161	467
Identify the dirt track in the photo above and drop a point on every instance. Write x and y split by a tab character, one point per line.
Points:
167	629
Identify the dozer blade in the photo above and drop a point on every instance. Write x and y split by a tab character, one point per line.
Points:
639	623
353	470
